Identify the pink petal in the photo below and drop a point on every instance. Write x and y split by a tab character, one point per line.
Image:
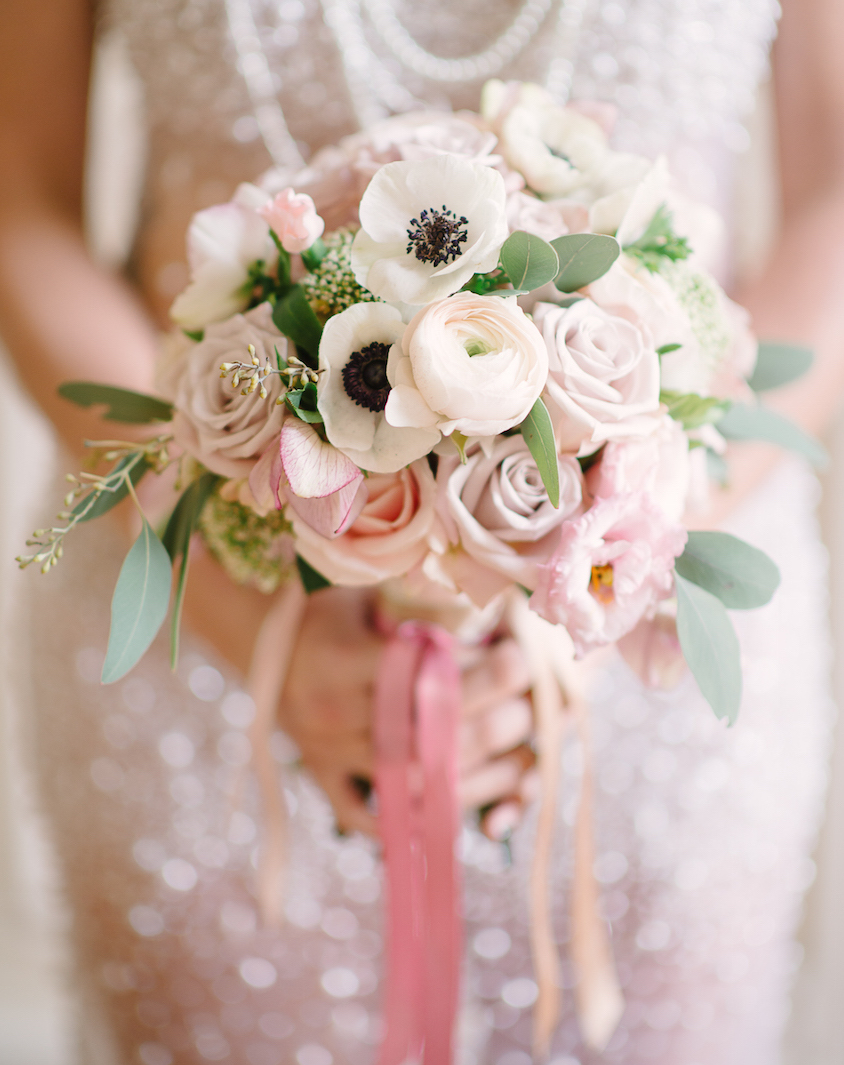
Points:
314	468
265	477
332	515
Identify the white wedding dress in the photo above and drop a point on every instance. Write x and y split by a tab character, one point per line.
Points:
702	833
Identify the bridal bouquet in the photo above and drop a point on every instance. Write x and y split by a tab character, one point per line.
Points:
476	352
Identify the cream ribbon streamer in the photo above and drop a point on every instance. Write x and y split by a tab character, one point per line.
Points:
267	674
558	703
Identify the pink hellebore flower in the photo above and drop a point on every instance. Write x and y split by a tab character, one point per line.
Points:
324	487
293	218
612	566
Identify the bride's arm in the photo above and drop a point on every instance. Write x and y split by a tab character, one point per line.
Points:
800	294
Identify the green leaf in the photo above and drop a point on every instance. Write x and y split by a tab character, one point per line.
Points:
314	255
312	581
666	349
194	334
584	257
139	605
659	242
294	317
716	467
176	539
539	437
741	576
710	647
692	410
107	500
134	408
529	261
303	403
778	364
743	422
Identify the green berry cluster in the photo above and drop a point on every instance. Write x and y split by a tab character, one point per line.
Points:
332	287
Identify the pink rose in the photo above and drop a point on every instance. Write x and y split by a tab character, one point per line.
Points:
387	539
498	519
548	219
657	464
221	428
612	566
603	379
293	218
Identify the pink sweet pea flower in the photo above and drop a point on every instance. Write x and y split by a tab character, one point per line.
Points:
293	218
324	487
612	565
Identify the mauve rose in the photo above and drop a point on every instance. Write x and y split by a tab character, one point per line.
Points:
221	428
387	539
603	375
498	519
611	567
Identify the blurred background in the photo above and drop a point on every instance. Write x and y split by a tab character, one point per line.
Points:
35	1005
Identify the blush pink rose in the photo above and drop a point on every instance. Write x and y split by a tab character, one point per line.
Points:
603	375
498	519
293	218
548	219
388	537
612	566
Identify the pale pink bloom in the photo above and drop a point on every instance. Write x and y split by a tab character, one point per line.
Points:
657	464
498	519
293	218
387	539
612	565
548	219
653	652
221	428
314	468
603	376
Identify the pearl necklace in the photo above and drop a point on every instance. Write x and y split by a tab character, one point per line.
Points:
375	90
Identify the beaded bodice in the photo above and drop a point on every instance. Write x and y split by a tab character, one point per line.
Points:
682	74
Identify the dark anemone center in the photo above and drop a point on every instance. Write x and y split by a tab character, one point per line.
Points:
365	376
435	236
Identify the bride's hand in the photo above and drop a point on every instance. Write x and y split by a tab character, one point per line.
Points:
327	711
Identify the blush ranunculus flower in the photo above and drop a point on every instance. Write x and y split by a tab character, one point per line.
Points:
387	539
468	364
223	242
293	218
427	226
611	567
603	375
498	519
221	428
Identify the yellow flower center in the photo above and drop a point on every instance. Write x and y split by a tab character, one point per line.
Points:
600	583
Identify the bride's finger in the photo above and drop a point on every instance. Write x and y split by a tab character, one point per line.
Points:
494	732
501	674
496	779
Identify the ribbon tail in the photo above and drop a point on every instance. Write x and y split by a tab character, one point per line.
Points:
265	683
438	710
400	830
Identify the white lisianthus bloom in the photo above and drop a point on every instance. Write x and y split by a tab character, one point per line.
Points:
353	390
468	364
223	242
427	226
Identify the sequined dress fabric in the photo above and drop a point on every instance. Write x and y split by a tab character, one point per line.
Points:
702	834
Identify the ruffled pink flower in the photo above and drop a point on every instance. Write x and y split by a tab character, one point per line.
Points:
612	565
293	218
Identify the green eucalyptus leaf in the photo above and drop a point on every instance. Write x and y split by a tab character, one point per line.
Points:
539	437
741	576
710	647
584	257
312	580
692	410
744	422
778	364
133	408
106	500
529	261
294	317
139	605
176	540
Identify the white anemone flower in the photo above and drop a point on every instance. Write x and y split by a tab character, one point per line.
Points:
427	226
353	390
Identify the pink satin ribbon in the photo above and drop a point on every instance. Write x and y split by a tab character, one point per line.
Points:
417	708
